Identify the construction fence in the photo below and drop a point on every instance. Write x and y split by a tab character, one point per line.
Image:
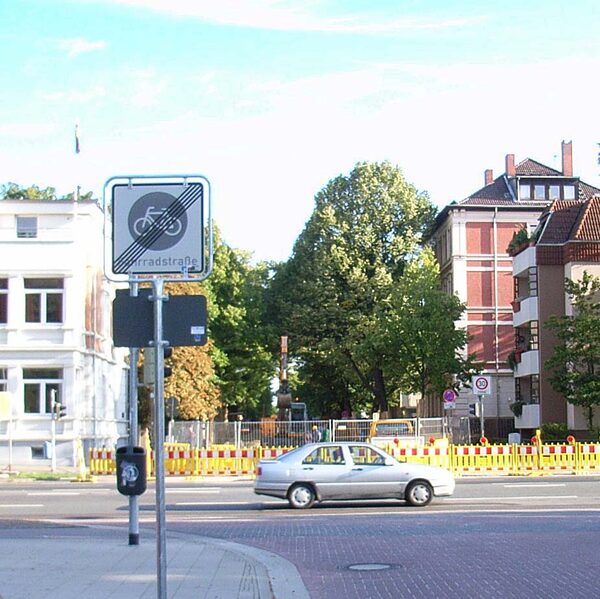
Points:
273	433
570	458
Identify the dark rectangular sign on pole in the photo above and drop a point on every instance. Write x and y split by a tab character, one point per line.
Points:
184	320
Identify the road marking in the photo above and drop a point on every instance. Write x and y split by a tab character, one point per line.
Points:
52	493
238	503
536	485
13	505
510	497
186	490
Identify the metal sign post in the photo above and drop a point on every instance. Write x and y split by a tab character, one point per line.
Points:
161	226
159	435
481	419
134	352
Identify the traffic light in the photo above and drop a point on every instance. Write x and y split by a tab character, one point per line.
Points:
167	352
475	409
149	367
60	410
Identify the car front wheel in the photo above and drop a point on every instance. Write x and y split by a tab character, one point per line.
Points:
301	496
419	493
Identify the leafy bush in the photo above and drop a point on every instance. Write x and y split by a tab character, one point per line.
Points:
554	431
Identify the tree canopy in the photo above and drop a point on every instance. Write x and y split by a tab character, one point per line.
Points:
12	191
329	297
575	363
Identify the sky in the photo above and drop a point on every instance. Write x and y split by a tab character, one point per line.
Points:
271	99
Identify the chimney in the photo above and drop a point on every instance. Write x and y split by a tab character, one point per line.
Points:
510	165
567	158
489	176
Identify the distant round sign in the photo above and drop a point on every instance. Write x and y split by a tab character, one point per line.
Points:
449	395
481	385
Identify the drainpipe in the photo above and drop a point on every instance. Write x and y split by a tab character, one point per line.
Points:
496	311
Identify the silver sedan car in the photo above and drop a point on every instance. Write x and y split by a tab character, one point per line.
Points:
325	471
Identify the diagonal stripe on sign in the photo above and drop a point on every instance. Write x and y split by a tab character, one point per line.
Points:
145	241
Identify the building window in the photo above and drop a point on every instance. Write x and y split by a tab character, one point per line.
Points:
533	335
3	301
26	227
533	282
569	192
525	191
554	191
44	300
539	192
40	387
3	379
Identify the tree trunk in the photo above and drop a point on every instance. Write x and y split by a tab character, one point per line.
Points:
379	390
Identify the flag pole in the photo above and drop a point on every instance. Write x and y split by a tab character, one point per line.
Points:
77	151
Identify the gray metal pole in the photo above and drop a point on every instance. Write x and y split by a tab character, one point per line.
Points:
159	438
134	352
481	420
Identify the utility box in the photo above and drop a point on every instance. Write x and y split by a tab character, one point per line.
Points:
131	470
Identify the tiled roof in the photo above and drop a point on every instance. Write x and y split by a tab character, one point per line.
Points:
587	191
588	226
535	169
562	216
497	190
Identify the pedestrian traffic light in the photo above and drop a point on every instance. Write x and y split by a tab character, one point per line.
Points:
60	410
167	352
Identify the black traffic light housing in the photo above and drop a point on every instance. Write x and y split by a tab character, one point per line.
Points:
167	353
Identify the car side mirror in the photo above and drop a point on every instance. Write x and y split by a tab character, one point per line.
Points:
390	462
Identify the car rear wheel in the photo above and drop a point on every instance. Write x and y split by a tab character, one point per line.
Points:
301	496
419	493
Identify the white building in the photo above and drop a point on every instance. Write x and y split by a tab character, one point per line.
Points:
55	333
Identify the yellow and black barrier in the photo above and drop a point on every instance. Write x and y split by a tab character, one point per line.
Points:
483	459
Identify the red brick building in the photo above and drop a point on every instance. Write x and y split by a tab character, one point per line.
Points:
567	244
471	239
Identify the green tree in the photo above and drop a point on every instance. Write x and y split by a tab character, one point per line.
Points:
417	334
244	362
353	250
12	191
575	363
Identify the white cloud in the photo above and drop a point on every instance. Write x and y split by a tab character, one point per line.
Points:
291	15
145	88
27	131
76	46
76	96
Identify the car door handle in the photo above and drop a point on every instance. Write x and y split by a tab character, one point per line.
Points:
356	468
308	468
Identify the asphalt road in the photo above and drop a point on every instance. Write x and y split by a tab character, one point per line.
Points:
495	538
235	498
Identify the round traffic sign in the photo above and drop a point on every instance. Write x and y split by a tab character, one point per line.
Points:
481	384
449	395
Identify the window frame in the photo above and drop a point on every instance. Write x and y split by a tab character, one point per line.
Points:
3	300
45	384
26	227
39	300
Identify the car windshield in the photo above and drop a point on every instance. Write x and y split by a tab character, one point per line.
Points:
388	429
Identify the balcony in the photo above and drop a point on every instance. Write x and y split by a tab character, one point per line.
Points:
523	261
529	364
528	311
529	418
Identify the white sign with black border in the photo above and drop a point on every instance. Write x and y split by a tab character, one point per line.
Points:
482	385
159	226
